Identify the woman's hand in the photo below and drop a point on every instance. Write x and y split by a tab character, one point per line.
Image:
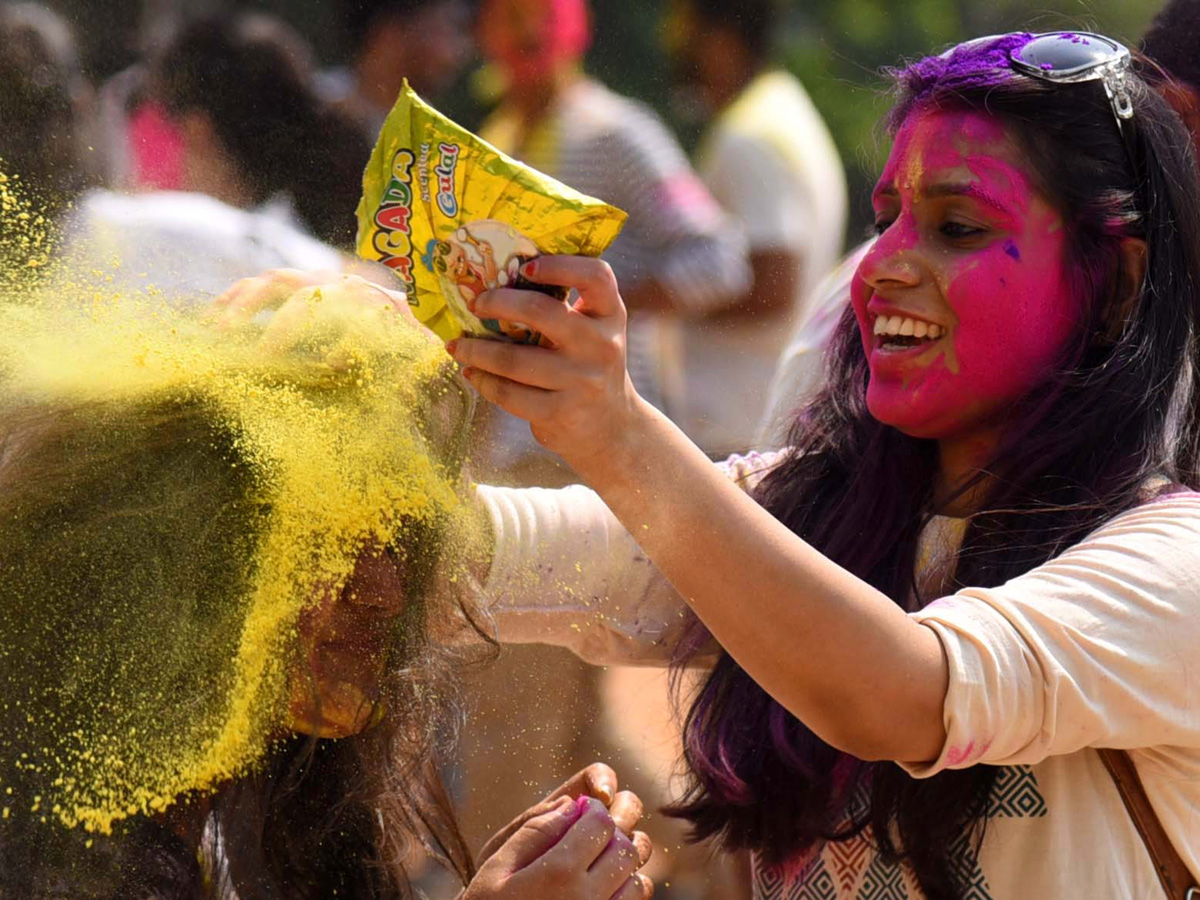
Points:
575	392
569	847
313	308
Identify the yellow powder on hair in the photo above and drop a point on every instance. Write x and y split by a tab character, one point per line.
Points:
343	432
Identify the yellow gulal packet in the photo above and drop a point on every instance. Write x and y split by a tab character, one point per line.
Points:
452	216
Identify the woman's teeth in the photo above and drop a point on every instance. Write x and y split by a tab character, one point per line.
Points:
914	330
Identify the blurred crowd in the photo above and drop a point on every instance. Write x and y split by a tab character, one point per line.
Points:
228	139
226	151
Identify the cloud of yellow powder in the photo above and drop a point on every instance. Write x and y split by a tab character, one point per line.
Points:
341	439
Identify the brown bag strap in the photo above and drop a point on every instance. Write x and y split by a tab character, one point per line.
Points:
1172	871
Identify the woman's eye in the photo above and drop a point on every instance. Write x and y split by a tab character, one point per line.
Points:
959	231
880	226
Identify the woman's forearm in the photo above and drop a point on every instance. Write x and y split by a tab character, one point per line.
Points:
830	648
833	650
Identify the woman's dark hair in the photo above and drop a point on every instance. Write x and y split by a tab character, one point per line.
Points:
1170	42
1082	446
251	76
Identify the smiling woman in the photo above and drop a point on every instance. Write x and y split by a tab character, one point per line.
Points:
974	255
975	567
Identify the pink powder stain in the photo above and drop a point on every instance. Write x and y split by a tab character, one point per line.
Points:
1001	294
685	192
958	755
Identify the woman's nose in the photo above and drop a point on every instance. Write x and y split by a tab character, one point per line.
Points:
377	581
892	260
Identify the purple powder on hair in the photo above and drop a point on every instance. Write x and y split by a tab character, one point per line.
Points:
972	64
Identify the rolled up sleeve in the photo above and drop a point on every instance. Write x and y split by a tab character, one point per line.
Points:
1096	648
565	571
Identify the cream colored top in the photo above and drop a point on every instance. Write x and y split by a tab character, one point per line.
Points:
1096	648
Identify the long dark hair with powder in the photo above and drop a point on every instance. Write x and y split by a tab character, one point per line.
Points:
1081	448
253	77
159	494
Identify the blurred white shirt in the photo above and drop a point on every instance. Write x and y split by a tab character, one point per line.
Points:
771	163
189	246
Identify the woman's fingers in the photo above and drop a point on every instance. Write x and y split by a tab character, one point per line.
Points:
626	810
614	866
639	887
599	295
534	366
501	837
247	298
587	840
535	836
597	780
540	312
521	400
644	847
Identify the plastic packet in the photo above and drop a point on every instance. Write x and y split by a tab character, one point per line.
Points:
452	216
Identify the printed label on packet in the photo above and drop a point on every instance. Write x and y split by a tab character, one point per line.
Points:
453	217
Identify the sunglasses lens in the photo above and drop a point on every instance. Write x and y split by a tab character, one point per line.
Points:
1066	52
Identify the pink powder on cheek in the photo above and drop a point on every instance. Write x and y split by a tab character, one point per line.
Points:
1016	309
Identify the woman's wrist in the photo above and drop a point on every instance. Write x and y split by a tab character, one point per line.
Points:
621	452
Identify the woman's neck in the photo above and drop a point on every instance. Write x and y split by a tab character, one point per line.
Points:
962	460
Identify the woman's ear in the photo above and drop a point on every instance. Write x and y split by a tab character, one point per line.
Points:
1131	278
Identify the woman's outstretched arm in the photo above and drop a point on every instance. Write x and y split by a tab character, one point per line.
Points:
829	647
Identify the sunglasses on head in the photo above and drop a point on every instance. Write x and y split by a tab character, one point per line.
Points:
1073	57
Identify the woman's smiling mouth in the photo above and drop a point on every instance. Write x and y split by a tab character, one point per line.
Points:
899	333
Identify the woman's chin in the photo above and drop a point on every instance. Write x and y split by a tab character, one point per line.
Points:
344	711
907	419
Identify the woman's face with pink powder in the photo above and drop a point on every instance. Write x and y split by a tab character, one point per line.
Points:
964	301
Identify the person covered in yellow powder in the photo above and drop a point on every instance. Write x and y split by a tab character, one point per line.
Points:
208	688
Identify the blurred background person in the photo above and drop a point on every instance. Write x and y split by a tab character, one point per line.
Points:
142	149
270	174
1173	41
241	91
44	104
769	160
678	255
426	41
